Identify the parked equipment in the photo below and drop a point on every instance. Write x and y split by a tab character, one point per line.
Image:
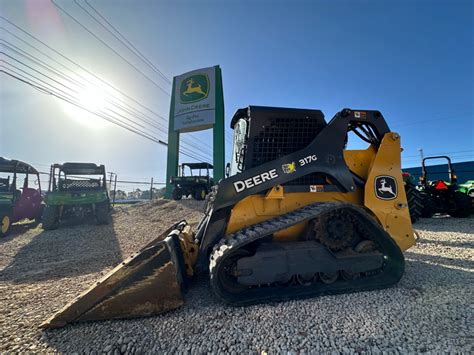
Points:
444	194
76	190
18	200
416	199
195	185
300	216
468	189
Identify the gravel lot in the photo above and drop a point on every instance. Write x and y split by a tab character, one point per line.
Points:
431	309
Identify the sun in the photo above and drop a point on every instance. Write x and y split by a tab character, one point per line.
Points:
94	97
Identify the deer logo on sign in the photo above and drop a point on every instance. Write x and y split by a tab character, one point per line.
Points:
386	187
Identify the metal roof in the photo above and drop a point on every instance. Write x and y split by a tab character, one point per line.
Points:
198	165
12	165
81	168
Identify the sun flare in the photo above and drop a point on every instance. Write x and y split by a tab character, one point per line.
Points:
93	98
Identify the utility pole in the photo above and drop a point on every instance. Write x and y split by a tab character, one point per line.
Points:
151	189
110	181
421	154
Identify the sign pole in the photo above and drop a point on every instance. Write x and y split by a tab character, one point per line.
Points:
218	130
173	148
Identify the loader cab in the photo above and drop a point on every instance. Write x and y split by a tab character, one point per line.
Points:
263	134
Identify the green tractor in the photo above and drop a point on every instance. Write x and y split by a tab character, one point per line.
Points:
76	190
468	189
416	199
195	185
445	195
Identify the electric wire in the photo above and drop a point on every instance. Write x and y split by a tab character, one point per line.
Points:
46	90
94	75
112	49
50	69
122	39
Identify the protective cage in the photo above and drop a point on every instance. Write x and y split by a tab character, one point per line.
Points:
273	132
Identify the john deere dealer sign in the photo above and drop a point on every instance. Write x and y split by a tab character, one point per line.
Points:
195	100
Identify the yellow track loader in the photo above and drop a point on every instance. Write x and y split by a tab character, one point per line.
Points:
298	216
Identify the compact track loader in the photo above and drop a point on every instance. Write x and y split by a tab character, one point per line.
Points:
299	216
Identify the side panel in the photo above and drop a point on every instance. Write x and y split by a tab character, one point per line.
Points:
385	199
257	208
75	198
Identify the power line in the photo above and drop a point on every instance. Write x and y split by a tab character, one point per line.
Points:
442	153
132	48
44	65
61	95
115	103
41	88
431	120
122	39
92	74
108	46
471	156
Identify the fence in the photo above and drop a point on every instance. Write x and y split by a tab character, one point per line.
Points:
121	191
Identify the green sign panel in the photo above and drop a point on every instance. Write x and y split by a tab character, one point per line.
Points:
195	100
197	103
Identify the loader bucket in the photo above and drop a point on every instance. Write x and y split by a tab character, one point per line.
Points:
148	283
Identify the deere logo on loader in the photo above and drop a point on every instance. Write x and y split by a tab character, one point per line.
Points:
386	187
194	88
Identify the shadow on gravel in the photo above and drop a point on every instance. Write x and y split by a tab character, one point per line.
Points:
446	224
453	244
17	229
440	260
67	251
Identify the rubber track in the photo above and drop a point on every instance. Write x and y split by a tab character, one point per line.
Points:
391	274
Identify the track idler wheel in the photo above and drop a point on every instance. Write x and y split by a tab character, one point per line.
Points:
306	280
328	277
227	275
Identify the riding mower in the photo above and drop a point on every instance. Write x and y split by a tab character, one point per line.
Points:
298	216
76	190
18	203
445	196
196	186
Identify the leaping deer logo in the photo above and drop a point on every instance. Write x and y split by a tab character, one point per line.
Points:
190	89
385	188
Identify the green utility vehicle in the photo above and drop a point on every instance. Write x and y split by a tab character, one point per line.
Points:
445	194
196	185
19	199
76	190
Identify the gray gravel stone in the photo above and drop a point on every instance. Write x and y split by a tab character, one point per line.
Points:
430	310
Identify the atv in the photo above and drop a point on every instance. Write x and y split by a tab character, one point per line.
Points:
445	196
76	190
18	203
197	185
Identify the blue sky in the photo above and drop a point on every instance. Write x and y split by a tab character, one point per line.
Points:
413	61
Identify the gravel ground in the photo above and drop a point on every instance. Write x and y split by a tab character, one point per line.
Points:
431	309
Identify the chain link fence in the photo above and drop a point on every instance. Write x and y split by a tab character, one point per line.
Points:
121	191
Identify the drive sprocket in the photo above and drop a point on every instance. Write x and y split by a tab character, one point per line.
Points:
336	231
